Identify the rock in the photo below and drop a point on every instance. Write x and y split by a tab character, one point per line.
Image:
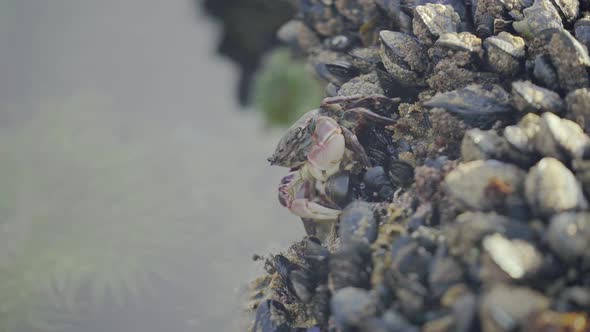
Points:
350	306
551	188
505	308
484	185
561	138
569	236
518	258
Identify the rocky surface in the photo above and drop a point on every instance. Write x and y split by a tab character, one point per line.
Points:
489	231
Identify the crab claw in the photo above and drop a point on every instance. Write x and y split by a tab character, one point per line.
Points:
290	186
326	153
305	208
293	193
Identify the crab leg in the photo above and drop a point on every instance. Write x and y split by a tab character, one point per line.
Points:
310	226
305	208
341	103
356	147
326	153
376	101
359	116
294	191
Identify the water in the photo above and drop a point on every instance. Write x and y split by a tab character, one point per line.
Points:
151	68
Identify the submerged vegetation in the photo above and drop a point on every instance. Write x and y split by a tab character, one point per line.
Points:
284	89
88	216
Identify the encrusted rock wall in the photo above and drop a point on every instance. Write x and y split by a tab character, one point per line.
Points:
490	229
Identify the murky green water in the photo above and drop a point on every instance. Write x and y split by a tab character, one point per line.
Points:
128	167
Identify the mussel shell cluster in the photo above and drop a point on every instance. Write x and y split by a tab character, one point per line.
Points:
490	230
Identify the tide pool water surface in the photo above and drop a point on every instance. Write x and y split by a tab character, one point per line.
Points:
134	191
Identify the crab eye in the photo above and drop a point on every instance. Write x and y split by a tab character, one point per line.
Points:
299	133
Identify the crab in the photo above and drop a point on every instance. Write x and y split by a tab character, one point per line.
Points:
320	144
